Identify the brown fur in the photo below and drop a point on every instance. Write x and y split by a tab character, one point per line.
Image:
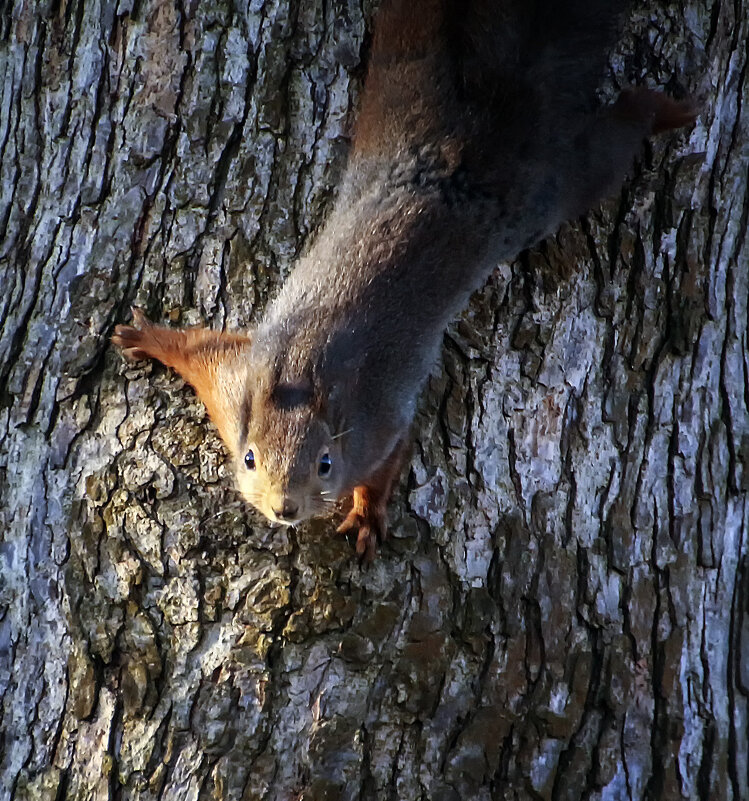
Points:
478	135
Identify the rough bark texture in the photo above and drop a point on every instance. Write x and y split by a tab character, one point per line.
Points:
562	611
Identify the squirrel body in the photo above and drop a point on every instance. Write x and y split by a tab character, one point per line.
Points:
478	135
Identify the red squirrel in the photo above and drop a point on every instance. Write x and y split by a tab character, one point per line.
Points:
478	135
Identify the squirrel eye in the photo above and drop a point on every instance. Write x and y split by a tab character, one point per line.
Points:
325	465
249	460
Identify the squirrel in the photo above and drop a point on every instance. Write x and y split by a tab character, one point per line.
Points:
478	135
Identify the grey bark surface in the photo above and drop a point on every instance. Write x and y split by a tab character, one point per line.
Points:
562	611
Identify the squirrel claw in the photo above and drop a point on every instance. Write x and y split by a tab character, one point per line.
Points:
139	318
370	518
366	539
130	338
366	545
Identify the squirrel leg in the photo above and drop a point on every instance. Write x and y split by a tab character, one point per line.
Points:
653	110
615	137
187	350
211	361
369	511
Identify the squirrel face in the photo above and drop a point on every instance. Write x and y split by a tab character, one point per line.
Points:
291	466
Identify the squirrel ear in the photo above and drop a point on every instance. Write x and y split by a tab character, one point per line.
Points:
338	376
290	394
336	394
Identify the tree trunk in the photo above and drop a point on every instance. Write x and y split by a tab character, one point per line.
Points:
562	611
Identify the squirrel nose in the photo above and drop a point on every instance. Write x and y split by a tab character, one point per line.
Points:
286	510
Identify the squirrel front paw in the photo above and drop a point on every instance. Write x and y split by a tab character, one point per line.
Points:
134	339
369	515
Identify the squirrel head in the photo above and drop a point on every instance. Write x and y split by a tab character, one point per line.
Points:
290	462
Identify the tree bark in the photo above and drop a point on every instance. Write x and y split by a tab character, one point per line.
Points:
562	611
